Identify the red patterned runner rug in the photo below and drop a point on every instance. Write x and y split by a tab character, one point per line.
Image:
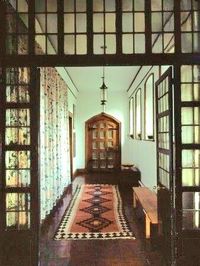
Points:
95	212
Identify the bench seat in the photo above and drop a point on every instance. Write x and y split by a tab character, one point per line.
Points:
147	199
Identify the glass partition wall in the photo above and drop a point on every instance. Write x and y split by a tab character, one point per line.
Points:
190	152
83	32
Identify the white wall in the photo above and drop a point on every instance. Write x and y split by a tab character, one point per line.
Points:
143	152
89	105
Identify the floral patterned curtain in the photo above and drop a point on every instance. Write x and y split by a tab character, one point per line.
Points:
54	139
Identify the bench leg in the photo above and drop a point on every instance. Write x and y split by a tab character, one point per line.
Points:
134	201
147	227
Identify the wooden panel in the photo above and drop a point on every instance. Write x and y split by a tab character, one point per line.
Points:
148	200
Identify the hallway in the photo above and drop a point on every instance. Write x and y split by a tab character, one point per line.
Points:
97	252
99	86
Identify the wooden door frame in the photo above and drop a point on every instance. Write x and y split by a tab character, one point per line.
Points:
70	122
167	73
96	118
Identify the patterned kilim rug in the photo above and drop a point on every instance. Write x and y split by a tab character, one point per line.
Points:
95	212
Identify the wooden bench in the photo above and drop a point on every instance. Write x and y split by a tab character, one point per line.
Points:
147	199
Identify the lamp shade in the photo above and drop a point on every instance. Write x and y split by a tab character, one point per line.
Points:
103	91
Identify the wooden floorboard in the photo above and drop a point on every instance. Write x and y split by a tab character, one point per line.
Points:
97	252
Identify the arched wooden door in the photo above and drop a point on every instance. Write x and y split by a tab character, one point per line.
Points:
103	149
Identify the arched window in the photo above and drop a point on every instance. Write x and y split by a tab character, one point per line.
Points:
138	117
131	117
149	108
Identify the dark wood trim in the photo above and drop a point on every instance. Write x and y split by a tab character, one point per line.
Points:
35	184
60	27
89	27
96	60
148	27
134	78
119	26
71	144
80	171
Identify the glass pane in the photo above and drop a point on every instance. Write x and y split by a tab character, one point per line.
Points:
127	5
17	159
102	145
80	5
94	145
81	23
110	134
156	22
191	177
18	211
102	134
17	117
186	42
109	5
110	144
186	73
139	43
98	43
69	5
168	19
17	178
186	92
20	136
94	155
81	44
102	155
22	6
139	5
110	23
69	45
191	220
156	5
52	44
40	40
139	21
103	164
94	134
191	202
191	159
98	23
51	5
98	5
39	6
127	43
127	22
69	23
95	164
52	26
111	44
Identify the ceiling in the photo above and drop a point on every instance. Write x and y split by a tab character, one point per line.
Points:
90	78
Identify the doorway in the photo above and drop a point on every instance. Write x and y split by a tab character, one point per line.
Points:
71	144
